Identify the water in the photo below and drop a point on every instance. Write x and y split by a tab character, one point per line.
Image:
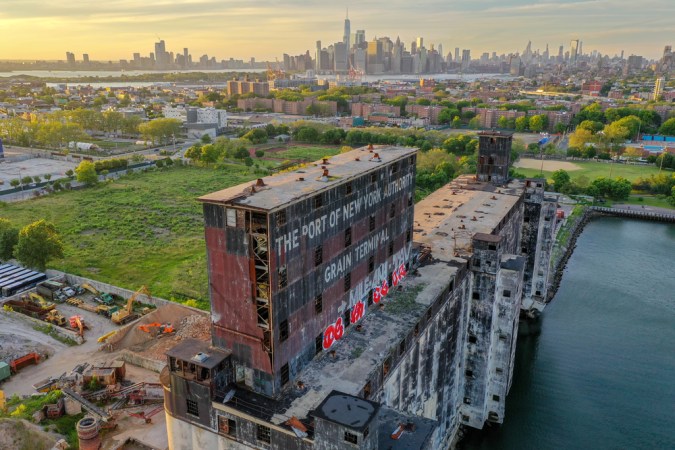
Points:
601	374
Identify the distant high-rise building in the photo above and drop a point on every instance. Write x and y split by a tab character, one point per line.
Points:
341	54
420	43
457	54
186	58
440	49
375	57
161	57
70	57
466	58
85	58
360	38
658	87
574	48
346	35
317	56
560	54
545	56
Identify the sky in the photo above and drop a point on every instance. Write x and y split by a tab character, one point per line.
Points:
266	29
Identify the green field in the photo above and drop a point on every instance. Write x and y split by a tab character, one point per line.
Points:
143	229
306	153
593	170
647	200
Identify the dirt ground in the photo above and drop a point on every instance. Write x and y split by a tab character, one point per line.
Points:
551	166
21	434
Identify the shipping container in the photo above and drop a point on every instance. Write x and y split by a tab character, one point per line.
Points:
4	371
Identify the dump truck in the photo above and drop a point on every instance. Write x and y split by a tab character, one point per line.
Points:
17	364
51	290
106	310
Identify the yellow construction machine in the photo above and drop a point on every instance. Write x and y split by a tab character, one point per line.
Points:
56	318
127	313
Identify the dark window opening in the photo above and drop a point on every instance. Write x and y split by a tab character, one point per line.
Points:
192	407
523	250
370	297
285	374
373	177
318	303
428	314
475	296
407	236
476	262
366	394
318	255
466	418
348	188
507	293
537	293
318	344
492	247
526	219
499	370
394	168
283	277
348	237
472	339
283	330
385	367
348	282
371	263
392	210
495	398
351	438
391	248
227	426
502	337
469	373
318	201
280	217
467	401
416	332
401	347
371	223
410	199
263	434
346	317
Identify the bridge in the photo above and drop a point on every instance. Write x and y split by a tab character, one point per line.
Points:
657	216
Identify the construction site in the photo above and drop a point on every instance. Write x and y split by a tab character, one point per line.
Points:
82	360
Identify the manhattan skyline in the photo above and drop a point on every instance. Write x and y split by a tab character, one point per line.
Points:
269	28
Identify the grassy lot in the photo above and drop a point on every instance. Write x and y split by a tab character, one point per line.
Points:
647	200
306	153
593	170
144	229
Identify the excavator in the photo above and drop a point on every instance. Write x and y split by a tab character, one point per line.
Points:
99	296
40	301
76	322
158	328
127	313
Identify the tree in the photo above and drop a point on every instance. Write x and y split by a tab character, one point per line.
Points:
538	123
474	123
522	123
9	236
206	139
591	125
70	173
86	173
194	152
37	178
256	136
48	176
560	127
560	179
26	180
456	122
668	127
38	243
15	182
160	130
502	122
581	137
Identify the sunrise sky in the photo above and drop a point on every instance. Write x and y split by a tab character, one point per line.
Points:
265	29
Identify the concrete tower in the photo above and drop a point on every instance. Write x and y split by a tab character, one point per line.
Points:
494	156
345	37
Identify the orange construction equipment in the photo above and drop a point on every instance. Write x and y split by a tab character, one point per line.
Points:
163	328
76	322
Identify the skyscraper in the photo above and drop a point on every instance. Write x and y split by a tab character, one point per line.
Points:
345	37
574	48
457	54
360	38
160	54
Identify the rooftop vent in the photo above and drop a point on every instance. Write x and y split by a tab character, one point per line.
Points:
201	357
325	161
324	177
370	147
376	158
260	182
300	179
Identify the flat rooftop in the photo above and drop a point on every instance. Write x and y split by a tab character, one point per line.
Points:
447	219
281	189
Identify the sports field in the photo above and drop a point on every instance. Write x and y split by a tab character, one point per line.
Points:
589	169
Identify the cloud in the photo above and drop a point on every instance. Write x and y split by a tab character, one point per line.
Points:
267	28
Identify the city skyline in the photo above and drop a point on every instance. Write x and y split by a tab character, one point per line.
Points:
223	28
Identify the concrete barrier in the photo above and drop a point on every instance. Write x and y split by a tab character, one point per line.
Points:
36	322
141	361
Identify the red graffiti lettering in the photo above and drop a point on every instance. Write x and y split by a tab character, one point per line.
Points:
384	290
334	332
376	295
357	312
401	271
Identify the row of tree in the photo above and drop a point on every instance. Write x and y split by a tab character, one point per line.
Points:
612	188
33	245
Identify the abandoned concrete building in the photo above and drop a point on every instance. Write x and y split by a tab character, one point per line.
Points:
345	316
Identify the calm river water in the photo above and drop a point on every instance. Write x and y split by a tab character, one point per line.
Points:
601	373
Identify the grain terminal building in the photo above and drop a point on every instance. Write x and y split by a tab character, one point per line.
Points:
344	316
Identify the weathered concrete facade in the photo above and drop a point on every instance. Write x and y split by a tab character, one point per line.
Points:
414	334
